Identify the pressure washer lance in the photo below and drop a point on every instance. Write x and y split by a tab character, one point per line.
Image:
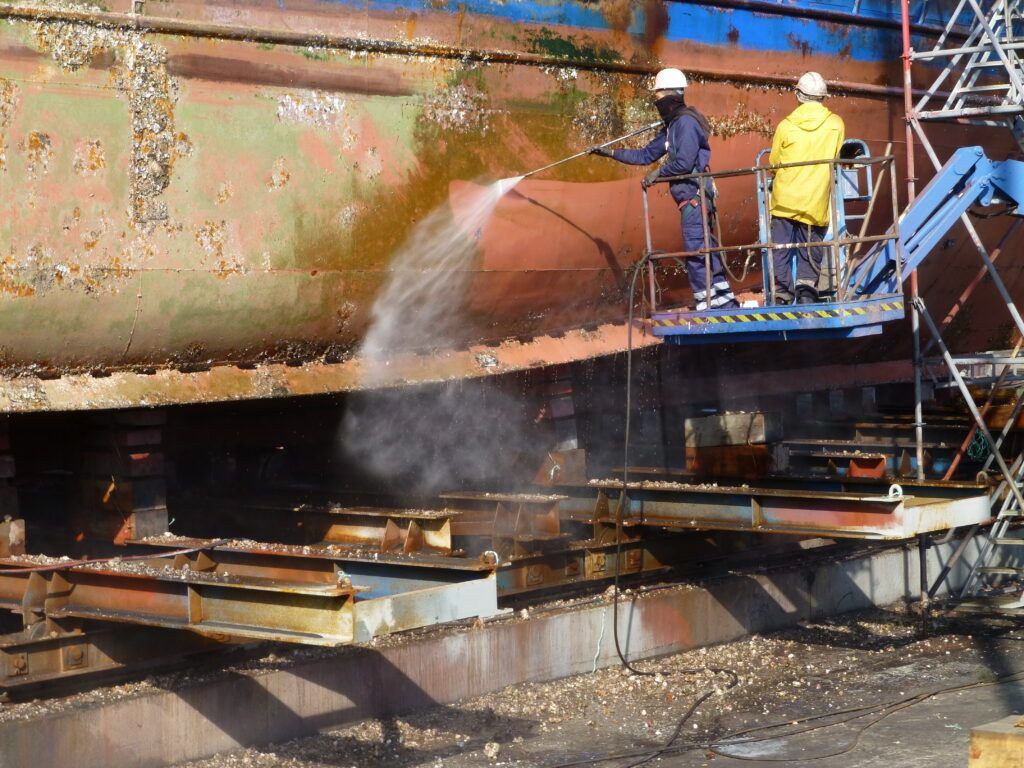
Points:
587	151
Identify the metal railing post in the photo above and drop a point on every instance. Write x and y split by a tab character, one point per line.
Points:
707	242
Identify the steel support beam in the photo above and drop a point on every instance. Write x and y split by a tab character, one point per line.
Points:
778	510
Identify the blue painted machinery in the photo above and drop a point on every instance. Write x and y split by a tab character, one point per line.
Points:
866	290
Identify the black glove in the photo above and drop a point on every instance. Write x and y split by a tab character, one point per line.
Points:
650	178
601	151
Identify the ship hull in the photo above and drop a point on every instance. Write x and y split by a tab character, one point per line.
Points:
181	198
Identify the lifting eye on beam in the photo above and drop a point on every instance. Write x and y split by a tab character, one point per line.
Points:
862	274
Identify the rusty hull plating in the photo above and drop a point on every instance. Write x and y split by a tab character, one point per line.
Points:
186	194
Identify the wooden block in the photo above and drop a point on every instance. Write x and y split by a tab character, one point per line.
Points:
999	744
739	461
753	428
12	537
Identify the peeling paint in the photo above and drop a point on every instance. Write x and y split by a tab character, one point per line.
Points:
460	108
38	150
742	120
8	101
140	74
348	215
212	238
224	192
279	174
320	110
90	158
371	165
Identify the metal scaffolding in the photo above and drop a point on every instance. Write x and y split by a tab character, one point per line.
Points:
973	80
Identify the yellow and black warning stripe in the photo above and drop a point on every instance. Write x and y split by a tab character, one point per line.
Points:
778	314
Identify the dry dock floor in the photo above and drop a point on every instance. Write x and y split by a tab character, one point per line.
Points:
873	659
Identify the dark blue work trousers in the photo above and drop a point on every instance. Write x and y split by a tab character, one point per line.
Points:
808	260
721	295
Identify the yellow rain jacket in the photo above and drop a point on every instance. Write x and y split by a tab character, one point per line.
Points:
811	132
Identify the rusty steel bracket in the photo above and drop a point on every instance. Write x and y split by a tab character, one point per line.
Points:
237	599
831	514
75	649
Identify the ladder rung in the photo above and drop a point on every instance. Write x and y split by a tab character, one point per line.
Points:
1010	542
1000	570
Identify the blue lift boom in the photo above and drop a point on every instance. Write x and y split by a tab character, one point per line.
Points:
872	288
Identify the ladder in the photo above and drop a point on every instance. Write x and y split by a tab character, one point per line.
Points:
999	546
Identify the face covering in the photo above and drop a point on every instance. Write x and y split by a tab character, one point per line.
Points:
667	106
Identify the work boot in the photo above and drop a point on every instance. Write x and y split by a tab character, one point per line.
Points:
806	295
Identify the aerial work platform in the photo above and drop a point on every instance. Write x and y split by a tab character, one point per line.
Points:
780	323
861	291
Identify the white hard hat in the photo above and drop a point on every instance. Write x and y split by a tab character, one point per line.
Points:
669	80
812	85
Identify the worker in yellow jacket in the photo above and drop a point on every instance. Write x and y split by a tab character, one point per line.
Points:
800	205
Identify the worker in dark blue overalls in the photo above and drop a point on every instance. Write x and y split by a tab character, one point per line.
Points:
685	140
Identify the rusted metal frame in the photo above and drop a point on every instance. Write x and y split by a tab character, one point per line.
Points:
590	562
249	34
381	529
971	406
258	605
79	649
213	605
984	411
385	530
521	516
566	564
316	563
794	511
